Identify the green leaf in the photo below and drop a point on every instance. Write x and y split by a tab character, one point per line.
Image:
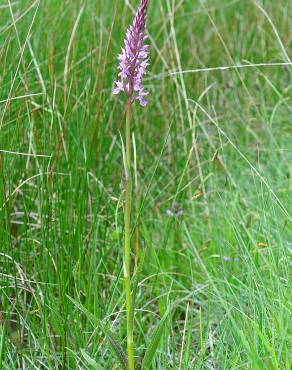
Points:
267	345
153	345
115	345
136	281
94	365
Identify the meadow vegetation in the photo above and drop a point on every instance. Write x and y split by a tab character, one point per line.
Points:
213	163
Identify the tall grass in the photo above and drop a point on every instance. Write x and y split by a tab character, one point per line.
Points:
216	142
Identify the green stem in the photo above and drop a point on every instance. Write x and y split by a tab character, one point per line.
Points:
136	229
127	262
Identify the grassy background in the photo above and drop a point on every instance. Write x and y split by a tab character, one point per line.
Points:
217	142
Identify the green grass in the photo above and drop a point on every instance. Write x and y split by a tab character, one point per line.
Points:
217	141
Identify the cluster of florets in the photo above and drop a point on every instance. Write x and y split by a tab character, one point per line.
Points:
134	58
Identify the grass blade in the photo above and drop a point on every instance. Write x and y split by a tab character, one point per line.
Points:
153	345
94	365
115	345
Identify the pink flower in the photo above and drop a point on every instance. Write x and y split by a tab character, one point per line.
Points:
133	61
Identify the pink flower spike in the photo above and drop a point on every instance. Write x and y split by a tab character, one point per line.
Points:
134	58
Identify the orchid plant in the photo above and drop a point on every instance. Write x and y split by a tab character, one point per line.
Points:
133	62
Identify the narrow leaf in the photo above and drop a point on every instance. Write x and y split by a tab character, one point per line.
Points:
136	281
155	339
91	361
115	345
